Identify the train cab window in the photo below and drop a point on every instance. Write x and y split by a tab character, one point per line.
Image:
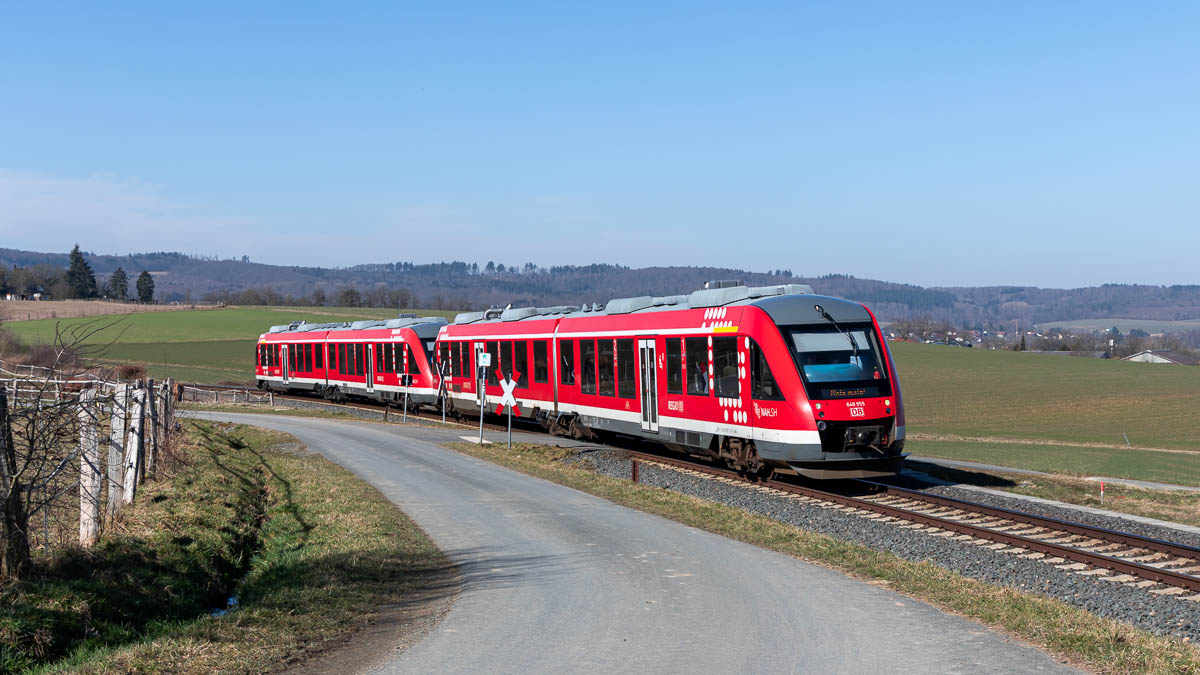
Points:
566	351
493	348
604	361
587	366
674	366
319	356
725	368
626	383
414	366
541	368
762	384
696	350
521	363
455	360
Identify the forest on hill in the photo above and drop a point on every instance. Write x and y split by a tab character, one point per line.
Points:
180	277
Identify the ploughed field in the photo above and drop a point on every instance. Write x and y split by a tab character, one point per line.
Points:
1052	413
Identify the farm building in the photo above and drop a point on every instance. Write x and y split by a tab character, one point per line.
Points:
1171	356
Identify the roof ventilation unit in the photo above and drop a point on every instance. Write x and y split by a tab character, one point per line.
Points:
629	305
722	283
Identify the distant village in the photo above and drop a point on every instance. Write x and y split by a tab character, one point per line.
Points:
1109	343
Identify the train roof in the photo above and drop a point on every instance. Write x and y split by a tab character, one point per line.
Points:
786	304
422	325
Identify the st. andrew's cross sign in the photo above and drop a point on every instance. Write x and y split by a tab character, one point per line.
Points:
507	398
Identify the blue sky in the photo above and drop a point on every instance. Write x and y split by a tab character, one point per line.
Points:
1051	144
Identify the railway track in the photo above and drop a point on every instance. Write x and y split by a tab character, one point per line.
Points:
1161	567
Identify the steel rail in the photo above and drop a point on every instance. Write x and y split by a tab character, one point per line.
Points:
1092	559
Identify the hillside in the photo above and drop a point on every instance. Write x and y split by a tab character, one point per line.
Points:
457	285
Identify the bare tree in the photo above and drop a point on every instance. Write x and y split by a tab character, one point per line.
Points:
40	418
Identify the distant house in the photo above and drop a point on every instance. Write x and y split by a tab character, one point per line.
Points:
1171	356
1082	354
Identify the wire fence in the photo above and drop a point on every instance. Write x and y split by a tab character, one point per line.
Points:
74	448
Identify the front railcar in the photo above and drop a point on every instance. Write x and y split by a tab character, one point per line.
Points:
844	414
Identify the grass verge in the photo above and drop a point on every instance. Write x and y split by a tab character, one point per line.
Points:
1099	644
310	551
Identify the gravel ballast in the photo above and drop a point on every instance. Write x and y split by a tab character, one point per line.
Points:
1157	614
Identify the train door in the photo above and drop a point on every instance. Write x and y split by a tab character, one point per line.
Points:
649	386
285	365
369	366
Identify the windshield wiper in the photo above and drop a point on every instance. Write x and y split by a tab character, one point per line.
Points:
825	315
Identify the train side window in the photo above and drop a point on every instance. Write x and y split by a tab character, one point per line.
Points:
587	366
332	356
696	351
308	358
455	361
566	350
626	383
506	359
291	357
521	363
604	361
444	358
465	349
725	368
674	366
541	368
319	355
360	357
493	348
414	366
762	383
341	358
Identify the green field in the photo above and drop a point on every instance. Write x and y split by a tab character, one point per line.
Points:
214	345
1036	411
1124	325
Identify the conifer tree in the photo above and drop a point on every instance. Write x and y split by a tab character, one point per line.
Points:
80	277
118	285
145	287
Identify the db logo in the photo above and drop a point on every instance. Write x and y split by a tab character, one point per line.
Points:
858	412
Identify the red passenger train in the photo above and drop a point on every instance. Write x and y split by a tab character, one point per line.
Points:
765	378
383	360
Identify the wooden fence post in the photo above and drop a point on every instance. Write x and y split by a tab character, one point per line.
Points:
168	409
116	449
90	472
134	447
152	446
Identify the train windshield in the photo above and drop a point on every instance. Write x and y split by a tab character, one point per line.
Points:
836	363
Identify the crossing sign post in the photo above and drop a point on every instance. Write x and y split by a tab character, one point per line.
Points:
508	400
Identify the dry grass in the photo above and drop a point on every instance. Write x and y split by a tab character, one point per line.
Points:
311	552
1098	644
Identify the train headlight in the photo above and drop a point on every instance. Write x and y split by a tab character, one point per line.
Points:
887	401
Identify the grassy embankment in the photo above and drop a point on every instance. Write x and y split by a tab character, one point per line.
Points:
1098	644
211	345
310	551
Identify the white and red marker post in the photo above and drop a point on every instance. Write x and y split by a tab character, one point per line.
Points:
507	399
